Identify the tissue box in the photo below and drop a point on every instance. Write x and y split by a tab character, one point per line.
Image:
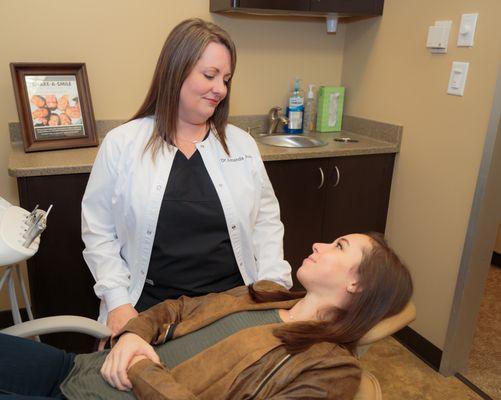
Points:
330	108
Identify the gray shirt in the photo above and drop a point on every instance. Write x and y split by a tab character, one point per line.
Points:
85	381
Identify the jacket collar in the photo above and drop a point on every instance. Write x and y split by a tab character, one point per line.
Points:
224	304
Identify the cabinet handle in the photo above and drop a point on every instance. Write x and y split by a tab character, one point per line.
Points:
338	176
322	178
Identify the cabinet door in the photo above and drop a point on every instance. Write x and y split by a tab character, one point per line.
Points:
293	5
296	184
358	192
352	7
60	282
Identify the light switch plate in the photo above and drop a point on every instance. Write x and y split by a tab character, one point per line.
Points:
467	30
457	79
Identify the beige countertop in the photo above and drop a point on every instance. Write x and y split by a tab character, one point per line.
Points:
76	161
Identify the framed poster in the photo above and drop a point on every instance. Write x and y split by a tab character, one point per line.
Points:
54	106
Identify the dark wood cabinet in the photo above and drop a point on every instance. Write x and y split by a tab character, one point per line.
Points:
60	282
352	7
294	5
359	201
322	199
313	208
298	185
243	6
300	7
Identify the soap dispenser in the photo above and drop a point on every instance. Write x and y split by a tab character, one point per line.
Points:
295	109
310	111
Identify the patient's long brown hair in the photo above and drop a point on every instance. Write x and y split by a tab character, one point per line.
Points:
386	288
181	51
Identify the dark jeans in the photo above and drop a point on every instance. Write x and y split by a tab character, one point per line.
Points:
31	370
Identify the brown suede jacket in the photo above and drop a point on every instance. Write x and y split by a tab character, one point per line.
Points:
251	364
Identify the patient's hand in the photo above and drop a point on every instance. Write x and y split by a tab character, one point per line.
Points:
125	353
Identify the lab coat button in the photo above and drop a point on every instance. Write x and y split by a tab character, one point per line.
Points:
233	227
148	232
202	146
142	271
159	187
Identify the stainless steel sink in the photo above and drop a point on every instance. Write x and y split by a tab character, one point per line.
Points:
290	141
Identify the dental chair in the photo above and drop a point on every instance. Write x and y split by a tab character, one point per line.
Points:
19	239
369	385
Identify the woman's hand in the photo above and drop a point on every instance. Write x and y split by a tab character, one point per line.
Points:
129	349
117	318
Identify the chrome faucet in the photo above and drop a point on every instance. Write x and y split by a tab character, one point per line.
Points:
274	118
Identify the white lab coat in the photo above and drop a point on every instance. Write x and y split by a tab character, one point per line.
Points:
122	201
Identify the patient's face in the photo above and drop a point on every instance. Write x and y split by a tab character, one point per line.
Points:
333	267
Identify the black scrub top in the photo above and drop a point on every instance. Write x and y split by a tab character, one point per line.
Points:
192	253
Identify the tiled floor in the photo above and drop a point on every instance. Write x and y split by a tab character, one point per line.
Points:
403	376
484	369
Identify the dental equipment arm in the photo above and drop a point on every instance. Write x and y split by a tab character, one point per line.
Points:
19	239
19	232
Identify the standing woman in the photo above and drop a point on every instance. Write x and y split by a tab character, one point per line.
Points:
178	202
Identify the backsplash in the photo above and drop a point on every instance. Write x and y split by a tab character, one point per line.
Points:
377	130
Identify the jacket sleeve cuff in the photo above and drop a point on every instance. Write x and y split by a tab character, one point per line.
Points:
154	382
138	326
116	297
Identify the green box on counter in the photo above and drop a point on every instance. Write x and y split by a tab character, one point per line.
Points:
330	108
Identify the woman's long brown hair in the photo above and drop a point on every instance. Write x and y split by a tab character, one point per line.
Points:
386	287
181	51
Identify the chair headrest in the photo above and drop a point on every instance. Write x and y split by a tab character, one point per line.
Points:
390	325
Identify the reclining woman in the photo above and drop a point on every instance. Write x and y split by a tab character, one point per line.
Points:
256	342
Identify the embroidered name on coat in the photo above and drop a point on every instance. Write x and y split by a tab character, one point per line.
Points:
235	159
